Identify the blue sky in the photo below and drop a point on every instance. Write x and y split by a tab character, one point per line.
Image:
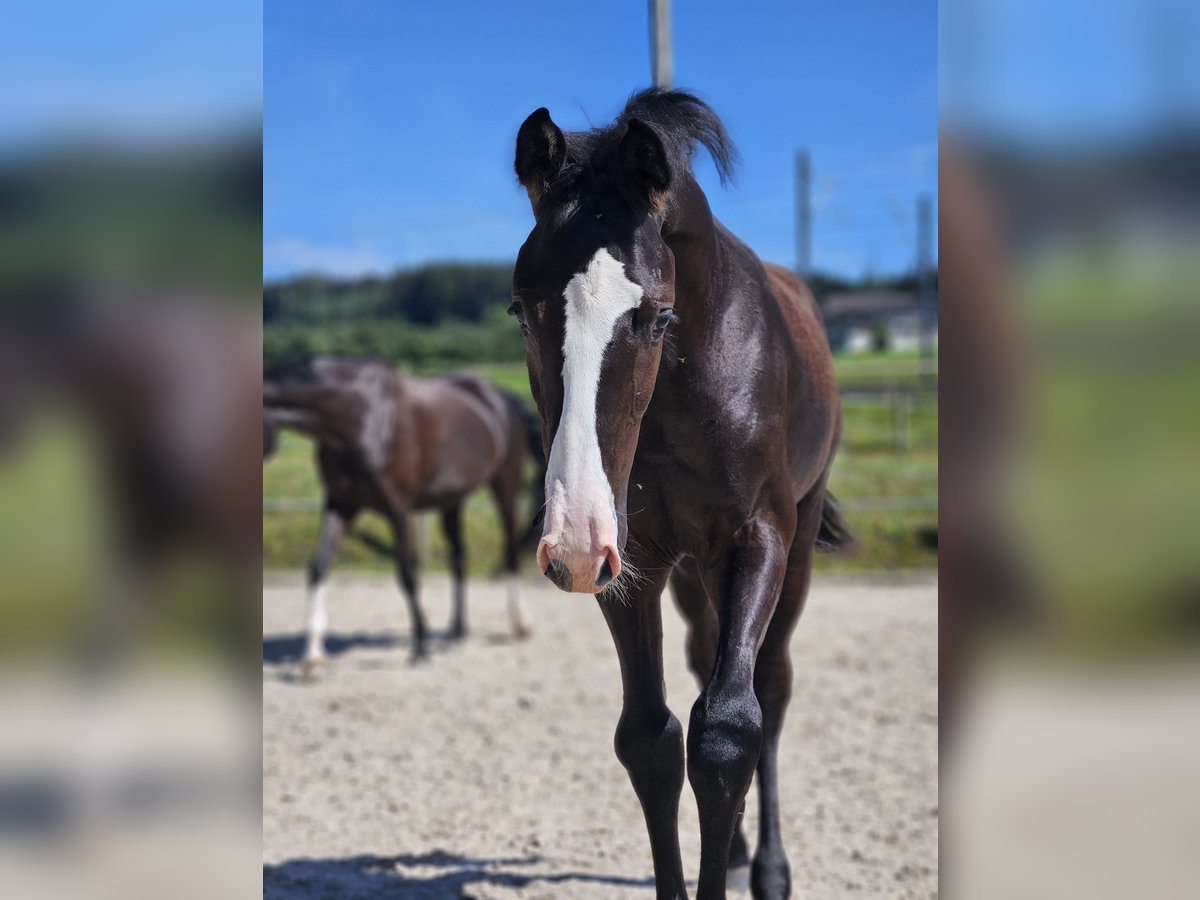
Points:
1069	71
389	126
389	123
128	69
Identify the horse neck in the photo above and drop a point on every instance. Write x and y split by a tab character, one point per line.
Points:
694	237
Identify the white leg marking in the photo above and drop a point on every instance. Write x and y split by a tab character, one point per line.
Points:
514	607
317	623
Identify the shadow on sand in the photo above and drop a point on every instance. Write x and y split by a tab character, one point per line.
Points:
381	877
286	649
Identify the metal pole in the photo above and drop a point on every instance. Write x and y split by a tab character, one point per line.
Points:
925	299
662	64
803	214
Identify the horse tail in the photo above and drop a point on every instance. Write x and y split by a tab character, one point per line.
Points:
270	434
834	533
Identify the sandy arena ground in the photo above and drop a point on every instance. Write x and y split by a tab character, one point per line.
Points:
489	772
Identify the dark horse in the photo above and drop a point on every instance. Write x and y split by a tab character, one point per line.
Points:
687	395
395	444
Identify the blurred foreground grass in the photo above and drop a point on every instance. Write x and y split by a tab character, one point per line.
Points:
889	495
58	548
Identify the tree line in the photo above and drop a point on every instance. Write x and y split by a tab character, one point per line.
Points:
427	318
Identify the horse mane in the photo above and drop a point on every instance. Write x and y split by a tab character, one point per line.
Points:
680	118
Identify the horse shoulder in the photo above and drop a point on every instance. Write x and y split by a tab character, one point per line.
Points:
815	413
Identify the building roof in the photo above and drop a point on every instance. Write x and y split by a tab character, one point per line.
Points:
867	303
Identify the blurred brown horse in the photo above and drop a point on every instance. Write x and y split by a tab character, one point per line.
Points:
396	444
170	434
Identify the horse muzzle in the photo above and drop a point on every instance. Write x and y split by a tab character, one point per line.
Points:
579	568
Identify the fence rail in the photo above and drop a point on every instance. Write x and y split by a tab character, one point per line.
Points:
905	403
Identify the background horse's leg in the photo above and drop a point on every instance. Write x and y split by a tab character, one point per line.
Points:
452	528
649	739
692	599
506	488
771	877
406	571
333	526
725	737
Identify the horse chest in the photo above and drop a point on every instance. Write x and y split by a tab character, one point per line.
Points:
699	437
681	483
705	461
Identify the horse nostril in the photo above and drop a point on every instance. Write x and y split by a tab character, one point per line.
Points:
605	575
557	572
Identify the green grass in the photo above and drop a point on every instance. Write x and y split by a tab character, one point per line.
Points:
510	376
874	371
889	496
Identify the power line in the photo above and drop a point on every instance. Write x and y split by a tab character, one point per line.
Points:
925	294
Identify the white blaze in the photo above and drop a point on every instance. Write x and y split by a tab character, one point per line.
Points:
577	490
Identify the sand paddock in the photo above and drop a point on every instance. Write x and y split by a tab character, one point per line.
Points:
489	772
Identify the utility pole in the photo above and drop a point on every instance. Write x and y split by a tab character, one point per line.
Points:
803	214
662	63
926	303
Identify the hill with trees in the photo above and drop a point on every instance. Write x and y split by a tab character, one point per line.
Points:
428	318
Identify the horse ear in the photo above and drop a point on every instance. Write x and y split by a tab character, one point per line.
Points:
541	152
644	160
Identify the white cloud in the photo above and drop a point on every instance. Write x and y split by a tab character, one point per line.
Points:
289	255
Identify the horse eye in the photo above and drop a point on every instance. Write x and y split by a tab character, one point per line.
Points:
519	314
664	318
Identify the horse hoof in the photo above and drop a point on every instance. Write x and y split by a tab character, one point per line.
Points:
457	633
737	878
521	633
419	658
308	669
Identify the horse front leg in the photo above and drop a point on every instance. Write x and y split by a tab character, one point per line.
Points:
771	874
726	733
691	597
333	526
649	739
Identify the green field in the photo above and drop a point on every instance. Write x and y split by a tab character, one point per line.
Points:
885	477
